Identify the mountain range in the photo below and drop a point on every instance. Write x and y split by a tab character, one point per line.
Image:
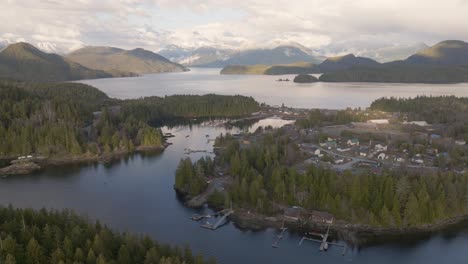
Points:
445	62
119	61
22	61
331	64
219	58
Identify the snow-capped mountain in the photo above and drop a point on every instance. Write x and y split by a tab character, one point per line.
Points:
48	47
195	56
381	53
4	43
216	57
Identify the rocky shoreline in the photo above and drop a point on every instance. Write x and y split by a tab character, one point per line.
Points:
355	234
30	165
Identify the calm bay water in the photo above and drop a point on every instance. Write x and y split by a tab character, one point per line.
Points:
135	194
266	89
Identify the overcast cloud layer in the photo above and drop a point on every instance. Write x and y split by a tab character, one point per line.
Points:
153	24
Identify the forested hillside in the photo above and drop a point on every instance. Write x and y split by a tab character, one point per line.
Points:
77	119
53	119
53	237
264	178
399	73
159	109
433	109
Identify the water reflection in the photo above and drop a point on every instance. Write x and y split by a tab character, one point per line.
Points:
266	89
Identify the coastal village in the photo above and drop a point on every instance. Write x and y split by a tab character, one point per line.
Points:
390	142
376	144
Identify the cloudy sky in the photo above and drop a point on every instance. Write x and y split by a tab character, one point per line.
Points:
239	24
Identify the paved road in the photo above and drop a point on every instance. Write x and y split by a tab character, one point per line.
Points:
344	166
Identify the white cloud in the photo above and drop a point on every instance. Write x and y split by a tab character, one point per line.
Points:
153	24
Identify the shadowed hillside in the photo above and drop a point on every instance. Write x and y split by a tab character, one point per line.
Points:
449	52
121	61
343	62
22	61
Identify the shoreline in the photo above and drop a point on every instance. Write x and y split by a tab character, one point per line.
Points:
22	167
355	234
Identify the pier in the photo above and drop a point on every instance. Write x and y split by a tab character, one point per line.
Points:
324	244
279	237
224	214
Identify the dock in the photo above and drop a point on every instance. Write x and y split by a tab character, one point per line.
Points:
279	237
324	244
197	217
223	214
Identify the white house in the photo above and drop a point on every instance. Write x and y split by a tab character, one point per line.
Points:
353	142
418	123
379	147
381	156
317	152
460	142
379	121
339	161
418	161
400	160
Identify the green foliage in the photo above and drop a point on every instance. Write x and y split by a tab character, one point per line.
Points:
263	177
438	109
63	237
216	199
399	73
77	119
317	117
156	110
191	178
57	119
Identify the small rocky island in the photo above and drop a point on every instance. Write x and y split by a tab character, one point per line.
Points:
305	78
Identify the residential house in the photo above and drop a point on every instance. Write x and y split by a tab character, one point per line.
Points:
380	147
292	213
330	144
379	121
381	156
322	217
353	142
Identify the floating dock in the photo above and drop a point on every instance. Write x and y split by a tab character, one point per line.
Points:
279	237
324	244
224	214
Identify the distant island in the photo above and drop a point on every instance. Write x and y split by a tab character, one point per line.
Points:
261	69
445	62
305	78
